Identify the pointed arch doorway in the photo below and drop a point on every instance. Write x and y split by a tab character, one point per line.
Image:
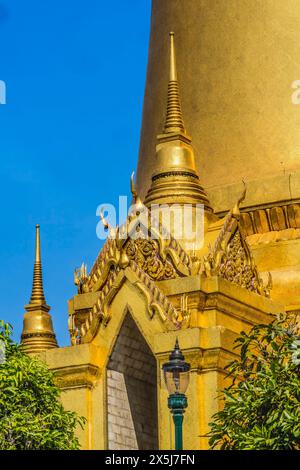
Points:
132	416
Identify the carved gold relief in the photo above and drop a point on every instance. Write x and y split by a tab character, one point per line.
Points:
157	302
80	278
146	255
235	266
155	251
230	257
234	263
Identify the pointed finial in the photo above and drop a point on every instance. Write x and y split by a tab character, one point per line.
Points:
37	295
37	244
132	187
136	198
236	209
107	227
176	354
104	221
174	119
173	69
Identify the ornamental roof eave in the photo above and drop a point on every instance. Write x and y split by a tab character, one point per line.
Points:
113	253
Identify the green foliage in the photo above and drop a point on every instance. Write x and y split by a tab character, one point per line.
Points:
31	415
262	406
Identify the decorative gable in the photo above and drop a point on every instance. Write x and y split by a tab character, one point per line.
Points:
231	258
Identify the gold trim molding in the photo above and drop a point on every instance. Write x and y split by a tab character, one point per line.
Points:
270	219
157	302
77	376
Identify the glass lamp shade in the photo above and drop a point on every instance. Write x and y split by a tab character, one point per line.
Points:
176	372
176	382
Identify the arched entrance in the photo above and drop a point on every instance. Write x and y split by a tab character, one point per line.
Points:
131	391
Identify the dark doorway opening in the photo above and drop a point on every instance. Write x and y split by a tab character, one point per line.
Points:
132	392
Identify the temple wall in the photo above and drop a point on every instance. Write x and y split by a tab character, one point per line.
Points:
121	432
219	310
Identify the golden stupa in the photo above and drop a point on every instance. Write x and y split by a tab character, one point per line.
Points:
227	139
37	334
238	65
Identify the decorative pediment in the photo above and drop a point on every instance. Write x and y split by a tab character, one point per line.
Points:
231	258
157	303
149	254
154	251
144	253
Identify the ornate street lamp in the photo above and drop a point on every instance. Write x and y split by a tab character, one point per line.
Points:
177	376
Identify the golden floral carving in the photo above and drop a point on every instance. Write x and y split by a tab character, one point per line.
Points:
233	262
146	255
155	251
231	258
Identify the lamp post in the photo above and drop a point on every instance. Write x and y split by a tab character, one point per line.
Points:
177	376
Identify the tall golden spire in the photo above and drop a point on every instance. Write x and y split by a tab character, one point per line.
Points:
37	295
38	334
174	119
176	180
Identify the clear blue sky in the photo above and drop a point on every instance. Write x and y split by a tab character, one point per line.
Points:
69	136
